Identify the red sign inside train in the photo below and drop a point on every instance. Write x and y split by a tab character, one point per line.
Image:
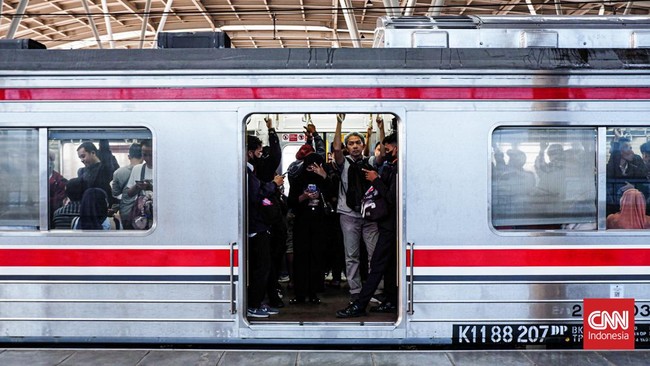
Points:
608	324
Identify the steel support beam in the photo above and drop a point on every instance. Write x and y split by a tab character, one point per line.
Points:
392	7
107	22
93	26
163	19
435	8
410	7
15	22
145	22
531	8
351	22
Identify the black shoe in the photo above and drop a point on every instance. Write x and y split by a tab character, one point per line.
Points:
385	307
297	300
314	300
276	303
352	311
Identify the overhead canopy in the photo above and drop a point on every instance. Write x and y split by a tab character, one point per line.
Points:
252	23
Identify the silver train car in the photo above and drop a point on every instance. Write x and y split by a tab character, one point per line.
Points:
508	172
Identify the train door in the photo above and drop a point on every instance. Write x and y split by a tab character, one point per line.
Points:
314	273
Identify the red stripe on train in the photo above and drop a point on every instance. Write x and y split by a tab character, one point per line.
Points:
431	93
115	258
531	257
422	258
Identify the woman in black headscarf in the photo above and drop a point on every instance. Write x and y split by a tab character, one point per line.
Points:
93	214
307	199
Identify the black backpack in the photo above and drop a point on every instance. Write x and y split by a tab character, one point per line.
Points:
357	183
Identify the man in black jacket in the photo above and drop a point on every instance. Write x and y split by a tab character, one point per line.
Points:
258	231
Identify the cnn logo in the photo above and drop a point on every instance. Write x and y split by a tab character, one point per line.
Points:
600	320
608	324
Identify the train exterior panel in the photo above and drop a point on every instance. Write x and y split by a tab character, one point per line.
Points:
464	278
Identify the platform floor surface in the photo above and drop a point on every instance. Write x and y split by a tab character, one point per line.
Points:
142	357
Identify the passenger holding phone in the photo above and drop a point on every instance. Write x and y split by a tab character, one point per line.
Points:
307	200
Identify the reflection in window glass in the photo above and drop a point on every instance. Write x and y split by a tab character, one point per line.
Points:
628	189
544	179
19	196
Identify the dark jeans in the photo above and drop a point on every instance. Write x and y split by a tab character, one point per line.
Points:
278	247
382	264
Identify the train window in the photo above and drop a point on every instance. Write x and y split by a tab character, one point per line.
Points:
19	188
544	179
628	170
107	179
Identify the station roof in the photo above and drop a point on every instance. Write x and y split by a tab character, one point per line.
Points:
66	24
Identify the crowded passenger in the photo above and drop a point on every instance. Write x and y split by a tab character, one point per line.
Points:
93	212
623	162
515	181
140	189
56	184
274	214
632	214
551	174
62	218
99	165
120	183
308	203
352	189
383	262
259	256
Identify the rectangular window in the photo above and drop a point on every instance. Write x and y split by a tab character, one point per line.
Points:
544	178
106	173
628	188
19	189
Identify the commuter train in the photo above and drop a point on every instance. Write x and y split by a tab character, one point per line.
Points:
506	128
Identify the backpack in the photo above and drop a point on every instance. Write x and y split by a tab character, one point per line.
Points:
373	206
357	183
142	212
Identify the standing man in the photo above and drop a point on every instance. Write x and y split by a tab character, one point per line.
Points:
259	255
352	190
119	184
383	262
99	165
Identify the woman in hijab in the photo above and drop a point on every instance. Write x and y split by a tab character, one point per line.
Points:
307	200
632	214
93	214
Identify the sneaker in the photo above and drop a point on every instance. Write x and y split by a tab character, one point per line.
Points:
386	307
378	298
257	313
284	278
352	311
269	310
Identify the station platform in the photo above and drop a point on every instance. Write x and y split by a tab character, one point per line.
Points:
165	357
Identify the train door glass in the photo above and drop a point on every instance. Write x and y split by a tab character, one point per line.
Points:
306	245
95	173
19	179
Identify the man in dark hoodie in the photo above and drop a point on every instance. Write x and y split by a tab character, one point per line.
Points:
258	232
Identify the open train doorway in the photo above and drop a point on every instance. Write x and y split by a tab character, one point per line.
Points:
309	247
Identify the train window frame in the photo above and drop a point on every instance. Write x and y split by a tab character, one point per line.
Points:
594	226
603	133
79	134
396	113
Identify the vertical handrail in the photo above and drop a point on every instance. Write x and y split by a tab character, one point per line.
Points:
410	282
233	289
